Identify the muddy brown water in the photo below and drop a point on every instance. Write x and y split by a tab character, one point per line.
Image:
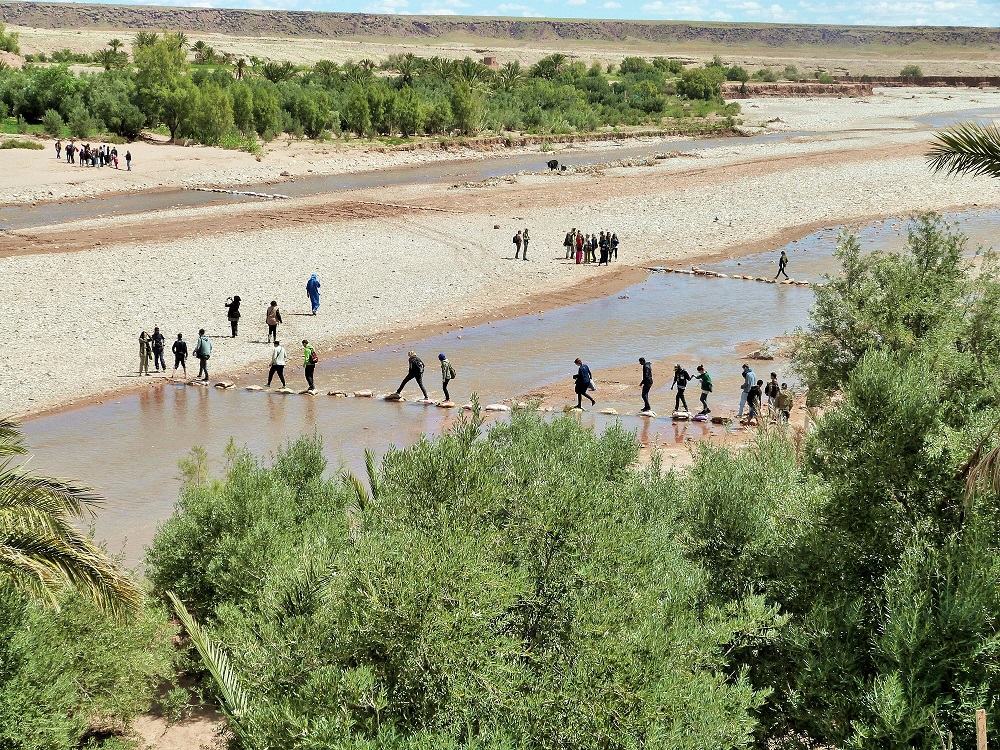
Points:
128	449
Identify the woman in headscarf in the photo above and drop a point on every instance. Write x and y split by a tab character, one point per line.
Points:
233	313
312	289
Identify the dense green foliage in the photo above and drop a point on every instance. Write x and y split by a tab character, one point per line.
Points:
519	589
529	587
216	99
67	671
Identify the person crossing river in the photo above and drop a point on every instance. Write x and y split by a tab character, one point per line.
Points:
415	372
681	379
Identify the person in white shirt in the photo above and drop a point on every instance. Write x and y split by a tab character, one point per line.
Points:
278	355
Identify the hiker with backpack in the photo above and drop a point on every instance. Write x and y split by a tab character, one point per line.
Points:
518	240
706	388
415	372
309	360
203	350
448	373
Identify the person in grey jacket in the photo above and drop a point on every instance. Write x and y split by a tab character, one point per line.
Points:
203	350
749	381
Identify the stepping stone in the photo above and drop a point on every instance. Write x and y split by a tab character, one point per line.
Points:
609	411
681	416
393	397
446	404
721	276
254	388
202	383
466	407
364	394
699	418
496	407
285	390
569	407
425	401
647	413
224	385
721	420
337	394
307	392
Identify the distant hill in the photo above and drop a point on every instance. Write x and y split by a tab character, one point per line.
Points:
364	25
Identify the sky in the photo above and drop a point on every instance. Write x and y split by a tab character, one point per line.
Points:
851	12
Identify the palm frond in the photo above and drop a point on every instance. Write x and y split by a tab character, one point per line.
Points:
235	700
371	467
350	480
11	439
967	149
20	491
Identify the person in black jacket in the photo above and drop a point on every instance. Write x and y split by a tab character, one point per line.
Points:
681	379
233	313
416	372
646	383
584	382
180	351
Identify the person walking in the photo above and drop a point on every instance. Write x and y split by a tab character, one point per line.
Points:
272	317
233	313
782	265
203	351
524	237
754	401
312	289
706	388
447	375
783	402
58	149
415	372
158	343
145	353
749	378
646	383
180	352
278	356
771	390
128	161
584	382
309	361
681	379
518	240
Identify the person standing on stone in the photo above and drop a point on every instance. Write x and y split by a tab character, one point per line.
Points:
646	383
754	400
518	241
447	375
158	343
145	353
180	352
203	350
749	378
415	372
278	355
782	264
312	289
309	362
706	388
681	379
584	382
273	319
233	313
524	237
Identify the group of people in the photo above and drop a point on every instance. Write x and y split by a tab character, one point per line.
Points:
152	348
415	371
585	247
92	156
753	391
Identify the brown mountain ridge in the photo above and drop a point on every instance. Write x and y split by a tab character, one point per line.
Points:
366	25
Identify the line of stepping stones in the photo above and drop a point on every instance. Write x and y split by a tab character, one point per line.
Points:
695	271
270	196
226	385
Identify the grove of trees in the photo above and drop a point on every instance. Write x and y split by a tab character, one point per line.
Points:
218	100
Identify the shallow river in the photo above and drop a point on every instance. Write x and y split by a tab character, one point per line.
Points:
128	448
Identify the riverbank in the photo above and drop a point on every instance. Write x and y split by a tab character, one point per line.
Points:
397	264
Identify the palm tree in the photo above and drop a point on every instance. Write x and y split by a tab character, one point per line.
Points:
177	40
510	76
406	66
41	551
116	44
367	64
327	68
967	149
240	69
278	72
144	39
110	59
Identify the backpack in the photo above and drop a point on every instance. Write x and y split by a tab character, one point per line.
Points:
516	240
313	359
454	372
420	365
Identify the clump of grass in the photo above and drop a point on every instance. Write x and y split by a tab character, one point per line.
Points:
32	145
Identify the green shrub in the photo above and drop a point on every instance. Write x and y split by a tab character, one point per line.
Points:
15	143
518	588
911	71
52	123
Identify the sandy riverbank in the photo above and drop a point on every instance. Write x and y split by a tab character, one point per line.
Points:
78	306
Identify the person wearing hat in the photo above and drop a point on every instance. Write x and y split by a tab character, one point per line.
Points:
749	381
416	372
447	375
681	379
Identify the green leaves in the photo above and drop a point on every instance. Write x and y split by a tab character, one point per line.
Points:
967	149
